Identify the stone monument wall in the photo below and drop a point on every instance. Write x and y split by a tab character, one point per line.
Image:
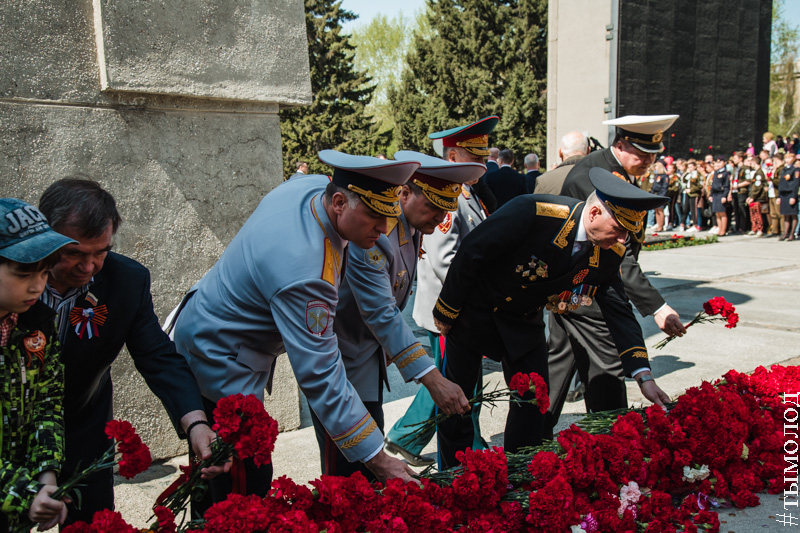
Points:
173	107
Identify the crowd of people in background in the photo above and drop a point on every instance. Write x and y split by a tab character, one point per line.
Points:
746	193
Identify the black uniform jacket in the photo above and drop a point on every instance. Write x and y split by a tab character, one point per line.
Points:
638	288
121	294
506	184
492	291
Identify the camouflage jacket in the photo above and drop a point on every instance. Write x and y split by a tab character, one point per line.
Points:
31	397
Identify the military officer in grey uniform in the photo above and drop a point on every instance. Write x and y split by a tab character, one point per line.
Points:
275	289
539	251
582	340
468	143
369	325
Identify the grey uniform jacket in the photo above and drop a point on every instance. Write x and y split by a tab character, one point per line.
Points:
438	250
369	324
276	287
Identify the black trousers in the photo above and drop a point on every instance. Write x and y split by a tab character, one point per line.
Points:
332	461
257	478
583	343
85	441
742	213
463	365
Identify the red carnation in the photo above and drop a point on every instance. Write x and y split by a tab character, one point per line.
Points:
711	309
533	382
135	454
105	521
520	383
166	520
242	421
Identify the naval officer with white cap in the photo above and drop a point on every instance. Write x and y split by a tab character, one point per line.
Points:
275	289
581	340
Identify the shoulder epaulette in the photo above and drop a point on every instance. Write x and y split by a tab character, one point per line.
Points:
329	263
391	224
619	249
552	210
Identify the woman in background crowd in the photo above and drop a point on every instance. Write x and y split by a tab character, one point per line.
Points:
769	144
660	184
720	189
673	192
787	189
757	199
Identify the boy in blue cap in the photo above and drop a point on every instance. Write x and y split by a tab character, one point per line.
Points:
31	374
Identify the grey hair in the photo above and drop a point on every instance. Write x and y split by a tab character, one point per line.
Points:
573	143
594	200
531	160
352	198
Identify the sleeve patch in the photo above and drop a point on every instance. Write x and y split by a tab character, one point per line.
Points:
374	257
317	317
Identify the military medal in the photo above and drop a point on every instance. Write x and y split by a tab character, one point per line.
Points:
535	268
87	321
400	282
567	301
34	345
580	276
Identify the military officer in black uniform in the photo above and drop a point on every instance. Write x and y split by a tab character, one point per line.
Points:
582	340
538	251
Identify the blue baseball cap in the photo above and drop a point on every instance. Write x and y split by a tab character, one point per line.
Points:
25	235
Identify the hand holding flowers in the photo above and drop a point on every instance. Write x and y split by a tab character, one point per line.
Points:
134	459
244	430
715	310
531	385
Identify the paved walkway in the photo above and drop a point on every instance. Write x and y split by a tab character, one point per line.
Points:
761	277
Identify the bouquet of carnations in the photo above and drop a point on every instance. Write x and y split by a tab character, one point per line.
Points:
717	309
244	430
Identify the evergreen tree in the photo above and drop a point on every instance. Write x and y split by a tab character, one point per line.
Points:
336	118
381	47
476	58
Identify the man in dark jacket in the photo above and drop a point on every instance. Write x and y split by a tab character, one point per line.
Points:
103	302
583	340
539	251
505	182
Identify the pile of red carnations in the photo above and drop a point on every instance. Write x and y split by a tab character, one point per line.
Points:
646	470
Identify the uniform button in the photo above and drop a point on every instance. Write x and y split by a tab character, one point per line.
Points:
508	298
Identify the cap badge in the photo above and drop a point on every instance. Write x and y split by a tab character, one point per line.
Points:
658	136
479	141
